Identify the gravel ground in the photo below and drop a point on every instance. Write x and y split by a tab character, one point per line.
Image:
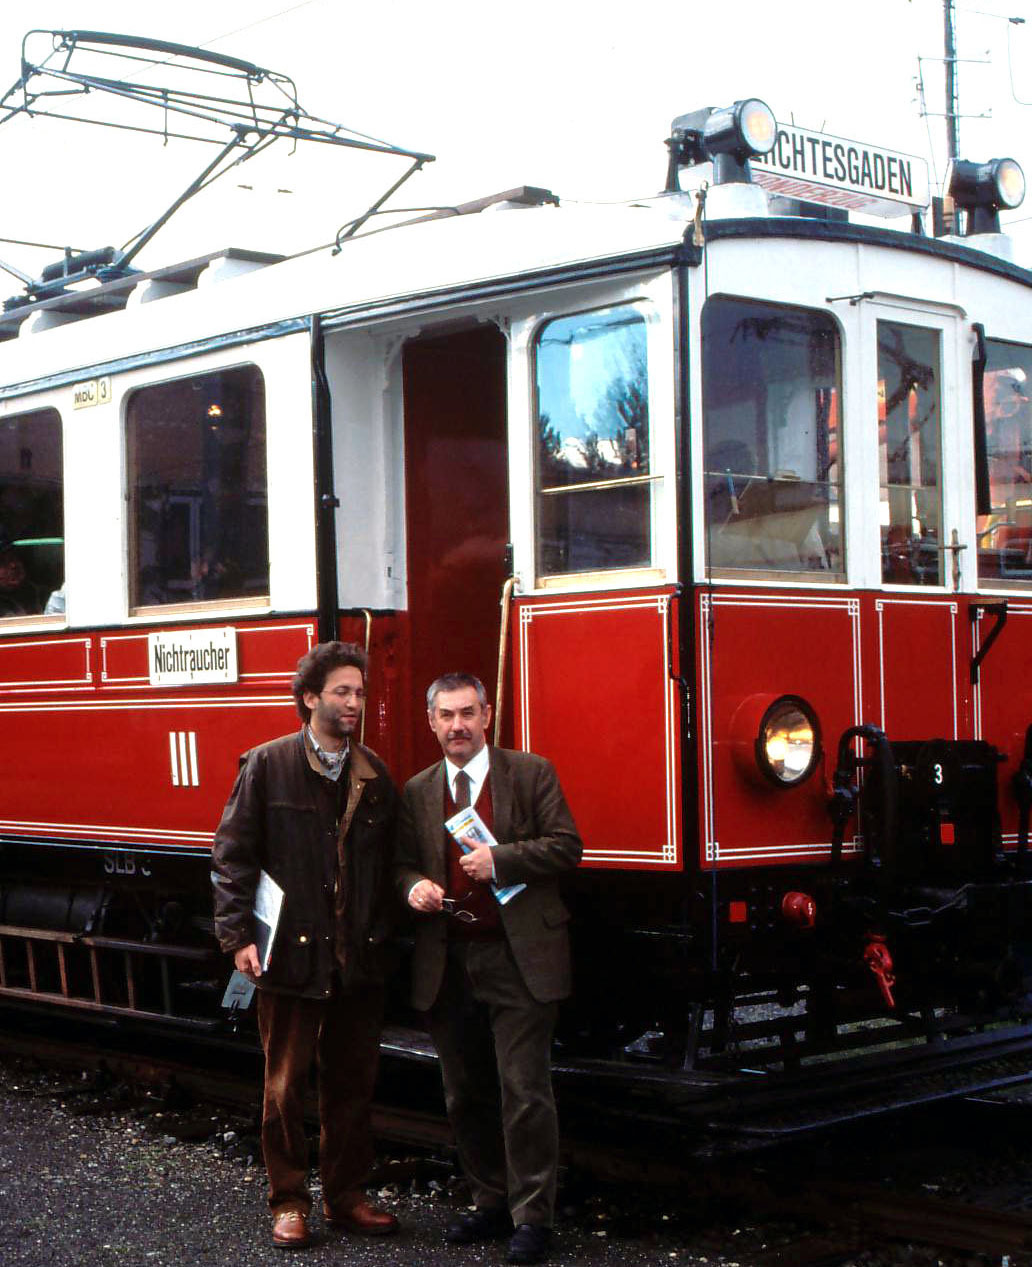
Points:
100	1176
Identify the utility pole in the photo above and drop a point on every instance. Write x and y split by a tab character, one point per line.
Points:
950	59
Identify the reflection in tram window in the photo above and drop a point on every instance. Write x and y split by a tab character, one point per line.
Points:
773	479
31	512
909	447
594	501
197	486
1005	535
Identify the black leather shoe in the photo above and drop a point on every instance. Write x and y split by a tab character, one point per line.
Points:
478	1225
530	1244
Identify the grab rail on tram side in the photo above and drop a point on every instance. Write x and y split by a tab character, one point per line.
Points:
503	648
368	639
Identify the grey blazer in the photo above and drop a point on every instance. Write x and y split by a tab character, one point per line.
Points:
537	841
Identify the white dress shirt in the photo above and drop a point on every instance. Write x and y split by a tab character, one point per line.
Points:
477	769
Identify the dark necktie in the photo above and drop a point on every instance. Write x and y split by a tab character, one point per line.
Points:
462	790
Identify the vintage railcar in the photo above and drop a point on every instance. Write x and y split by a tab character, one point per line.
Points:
731	499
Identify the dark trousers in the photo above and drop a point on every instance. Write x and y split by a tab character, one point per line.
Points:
342	1036
495	1042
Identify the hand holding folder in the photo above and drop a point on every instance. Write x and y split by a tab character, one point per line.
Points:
467	825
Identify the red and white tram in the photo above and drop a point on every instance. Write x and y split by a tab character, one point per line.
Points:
730	497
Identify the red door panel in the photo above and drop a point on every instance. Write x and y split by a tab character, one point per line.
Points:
918	691
596	695
754	647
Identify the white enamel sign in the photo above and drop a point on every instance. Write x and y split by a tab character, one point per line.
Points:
828	169
183	656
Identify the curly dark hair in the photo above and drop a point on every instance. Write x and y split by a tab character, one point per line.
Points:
314	668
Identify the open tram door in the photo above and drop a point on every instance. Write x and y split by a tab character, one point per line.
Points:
456	518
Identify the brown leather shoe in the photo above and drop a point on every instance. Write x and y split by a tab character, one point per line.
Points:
356	1213
290	1229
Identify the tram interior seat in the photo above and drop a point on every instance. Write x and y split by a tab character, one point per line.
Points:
1006	551
770	523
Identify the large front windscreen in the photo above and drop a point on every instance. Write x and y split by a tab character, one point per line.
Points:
772	422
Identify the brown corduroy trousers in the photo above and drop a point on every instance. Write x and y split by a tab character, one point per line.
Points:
342	1036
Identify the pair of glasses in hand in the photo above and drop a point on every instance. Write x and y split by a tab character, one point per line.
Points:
450	906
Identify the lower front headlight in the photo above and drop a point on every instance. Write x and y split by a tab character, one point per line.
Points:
788	743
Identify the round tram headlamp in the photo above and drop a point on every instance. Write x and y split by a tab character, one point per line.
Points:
732	136
982	189
728	137
745	129
1010	183
788	743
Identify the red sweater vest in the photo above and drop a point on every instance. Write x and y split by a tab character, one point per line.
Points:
469	894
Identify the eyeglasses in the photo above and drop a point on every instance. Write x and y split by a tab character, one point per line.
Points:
346	692
450	906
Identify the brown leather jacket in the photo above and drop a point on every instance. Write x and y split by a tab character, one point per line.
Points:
328	847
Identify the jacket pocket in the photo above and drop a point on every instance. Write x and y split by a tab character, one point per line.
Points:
293	956
554	916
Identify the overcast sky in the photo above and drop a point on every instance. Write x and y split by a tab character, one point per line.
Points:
570	94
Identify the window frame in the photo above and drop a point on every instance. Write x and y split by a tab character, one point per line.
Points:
930	324
1008	584
17	623
722	573
192	606
656	481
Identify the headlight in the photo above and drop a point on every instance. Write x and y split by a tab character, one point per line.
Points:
745	129
1010	183
729	137
980	190
788	743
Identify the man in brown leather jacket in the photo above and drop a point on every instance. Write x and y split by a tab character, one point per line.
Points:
489	975
316	810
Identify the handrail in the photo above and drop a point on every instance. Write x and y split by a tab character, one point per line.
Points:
503	646
368	638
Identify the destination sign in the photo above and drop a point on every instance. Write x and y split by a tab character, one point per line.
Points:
828	169
185	656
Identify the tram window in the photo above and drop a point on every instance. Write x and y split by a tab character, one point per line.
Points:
1005	535
31	515
771	402
594	501
909	447
197	490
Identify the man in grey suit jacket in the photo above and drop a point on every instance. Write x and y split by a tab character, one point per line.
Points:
489	975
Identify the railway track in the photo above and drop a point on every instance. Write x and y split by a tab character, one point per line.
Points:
837	1218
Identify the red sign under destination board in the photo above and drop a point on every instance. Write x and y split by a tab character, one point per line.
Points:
829	169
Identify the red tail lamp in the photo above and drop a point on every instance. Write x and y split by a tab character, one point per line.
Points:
799	909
